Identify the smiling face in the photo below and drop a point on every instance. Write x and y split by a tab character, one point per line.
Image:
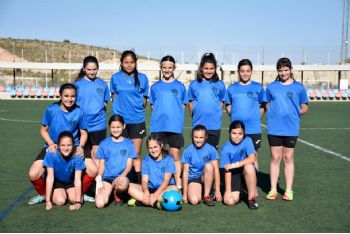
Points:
91	70
236	135
116	129
199	138
284	74
155	149
68	98
245	73
167	69
66	146
129	64
208	70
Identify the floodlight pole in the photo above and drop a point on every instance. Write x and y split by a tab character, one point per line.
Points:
344	44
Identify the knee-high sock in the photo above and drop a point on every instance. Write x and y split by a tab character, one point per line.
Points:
87	181
39	186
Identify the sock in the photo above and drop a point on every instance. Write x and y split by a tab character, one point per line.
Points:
39	186
87	181
138	177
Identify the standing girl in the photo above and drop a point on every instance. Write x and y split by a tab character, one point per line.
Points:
129	90
237	158
157	174
201	167
93	96
168	100
206	95
244	102
64	172
63	115
115	156
287	101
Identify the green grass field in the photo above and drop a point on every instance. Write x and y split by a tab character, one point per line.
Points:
322	187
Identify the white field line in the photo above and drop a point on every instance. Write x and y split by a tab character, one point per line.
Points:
322	149
19	120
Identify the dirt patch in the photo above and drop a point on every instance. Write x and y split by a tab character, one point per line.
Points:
5	55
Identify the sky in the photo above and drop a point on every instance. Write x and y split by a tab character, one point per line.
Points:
306	30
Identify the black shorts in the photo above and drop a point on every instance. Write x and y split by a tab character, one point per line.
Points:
110	181
133	131
285	141
256	138
95	138
62	185
174	140
236	179
41	154
196	180
214	138
87	153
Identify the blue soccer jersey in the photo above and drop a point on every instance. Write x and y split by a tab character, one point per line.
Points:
91	97
156	170
64	168
231	153
197	158
58	121
207	97
116	155
128	99
168	114
283	115
245	103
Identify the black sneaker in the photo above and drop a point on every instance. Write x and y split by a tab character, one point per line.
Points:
253	205
208	201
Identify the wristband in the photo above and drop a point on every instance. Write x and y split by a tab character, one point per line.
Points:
98	178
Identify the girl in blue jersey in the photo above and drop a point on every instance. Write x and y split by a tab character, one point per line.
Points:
64	174
168	100
64	115
115	155
129	90
93	96
237	158
287	101
201	167
206	95
245	102
158	169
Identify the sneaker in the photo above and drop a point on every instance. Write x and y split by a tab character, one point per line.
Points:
208	201
272	195
88	198
37	199
288	195
118	201
157	205
133	202
253	205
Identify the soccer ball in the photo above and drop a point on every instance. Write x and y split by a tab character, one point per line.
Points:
172	200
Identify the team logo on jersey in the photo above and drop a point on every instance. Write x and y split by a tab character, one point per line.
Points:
123	152
205	158
249	94
174	92
99	91
289	94
241	152
162	169
215	90
70	169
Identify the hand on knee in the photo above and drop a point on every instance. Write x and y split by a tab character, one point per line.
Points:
121	184
99	203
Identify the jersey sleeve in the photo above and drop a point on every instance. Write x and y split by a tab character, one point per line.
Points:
48	160
186	157
213	154
132	151
249	146
225	157
191	94
262	95
83	124
79	163
184	95
303	96
268	94
145	167
46	117
107	95
170	167
100	154
111	84
228	99
222	93
152	95
146	87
